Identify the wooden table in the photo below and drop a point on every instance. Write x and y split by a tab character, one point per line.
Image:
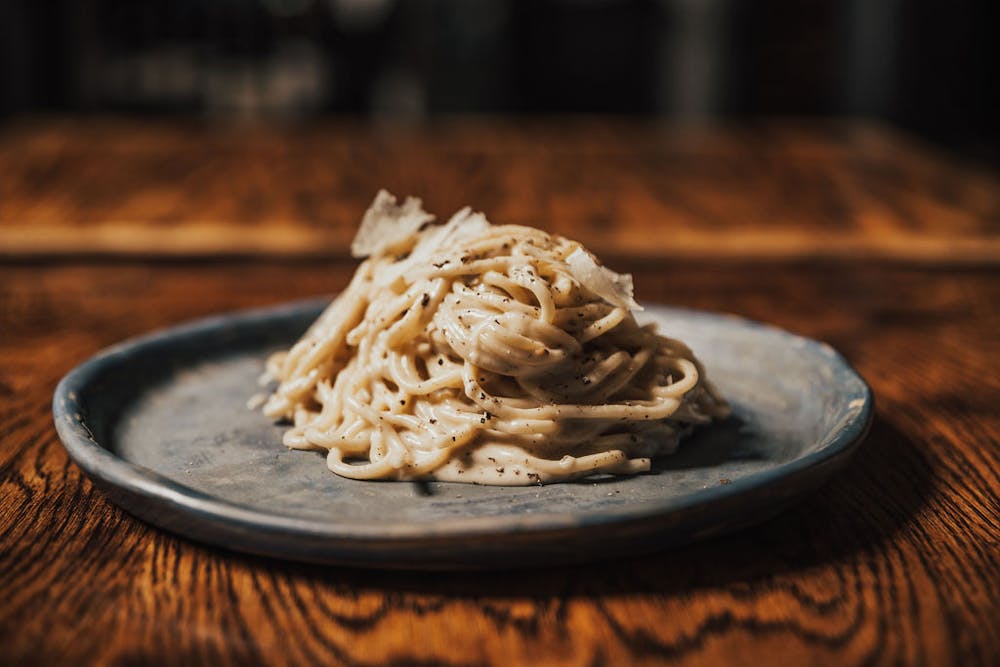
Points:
850	233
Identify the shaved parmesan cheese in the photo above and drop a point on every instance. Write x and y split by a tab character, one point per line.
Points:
615	288
388	225
443	243
463	225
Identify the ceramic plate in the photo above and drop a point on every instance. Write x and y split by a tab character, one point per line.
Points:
160	423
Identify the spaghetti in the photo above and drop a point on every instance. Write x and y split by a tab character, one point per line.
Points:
493	354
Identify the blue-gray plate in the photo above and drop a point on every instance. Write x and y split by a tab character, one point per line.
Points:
160	423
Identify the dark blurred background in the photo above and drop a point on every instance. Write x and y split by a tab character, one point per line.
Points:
928	67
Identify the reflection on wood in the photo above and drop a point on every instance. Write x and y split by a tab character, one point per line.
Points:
769	191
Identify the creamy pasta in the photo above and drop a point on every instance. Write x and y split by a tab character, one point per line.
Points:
493	354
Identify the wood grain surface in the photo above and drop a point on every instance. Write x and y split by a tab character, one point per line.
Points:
895	561
777	190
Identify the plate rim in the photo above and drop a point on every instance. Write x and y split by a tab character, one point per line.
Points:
102	465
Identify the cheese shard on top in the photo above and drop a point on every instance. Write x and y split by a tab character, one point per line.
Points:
464	225
615	288
387	224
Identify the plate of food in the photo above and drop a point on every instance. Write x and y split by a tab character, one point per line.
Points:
478	396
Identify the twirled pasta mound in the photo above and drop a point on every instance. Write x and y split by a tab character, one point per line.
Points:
493	354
